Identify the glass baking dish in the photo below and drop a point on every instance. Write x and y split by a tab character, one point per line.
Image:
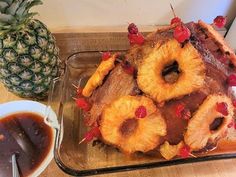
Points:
96	158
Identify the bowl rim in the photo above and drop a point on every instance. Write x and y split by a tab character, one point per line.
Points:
18	106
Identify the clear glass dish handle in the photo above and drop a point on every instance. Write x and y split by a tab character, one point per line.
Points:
51	101
51	122
55	103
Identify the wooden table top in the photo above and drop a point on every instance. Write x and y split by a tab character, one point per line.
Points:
220	168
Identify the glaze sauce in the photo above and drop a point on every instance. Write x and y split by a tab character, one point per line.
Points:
26	135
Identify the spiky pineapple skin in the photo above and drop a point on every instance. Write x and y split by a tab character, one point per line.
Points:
29	60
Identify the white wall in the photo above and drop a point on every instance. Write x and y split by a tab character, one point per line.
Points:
77	13
231	35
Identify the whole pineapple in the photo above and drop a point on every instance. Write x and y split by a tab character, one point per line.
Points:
28	54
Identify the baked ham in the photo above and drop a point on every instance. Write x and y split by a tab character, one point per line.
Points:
219	62
118	83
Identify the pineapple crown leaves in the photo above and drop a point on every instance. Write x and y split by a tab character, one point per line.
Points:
14	14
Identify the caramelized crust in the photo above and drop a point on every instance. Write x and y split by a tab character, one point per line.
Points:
206	75
199	131
220	41
117	84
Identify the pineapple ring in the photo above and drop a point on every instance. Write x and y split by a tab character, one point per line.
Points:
190	65
170	151
96	79
140	134
198	132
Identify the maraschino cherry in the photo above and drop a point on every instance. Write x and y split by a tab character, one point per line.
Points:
91	134
135	37
141	112
232	80
222	108
220	21
181	33
175	20
106	55
185	152
83	104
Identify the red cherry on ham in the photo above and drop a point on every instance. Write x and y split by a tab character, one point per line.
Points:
222	108
94	132
141	112
181	33
184	151
106	55
88	137
175	20
136	39
132	28
220	21
232	80
134	36
83	104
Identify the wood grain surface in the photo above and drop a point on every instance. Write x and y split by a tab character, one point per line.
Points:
74	42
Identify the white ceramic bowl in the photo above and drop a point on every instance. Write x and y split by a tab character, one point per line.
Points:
38	108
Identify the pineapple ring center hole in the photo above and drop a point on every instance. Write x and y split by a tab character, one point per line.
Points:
216	124
171	72
128	127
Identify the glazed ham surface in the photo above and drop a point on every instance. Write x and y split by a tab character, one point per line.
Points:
118	83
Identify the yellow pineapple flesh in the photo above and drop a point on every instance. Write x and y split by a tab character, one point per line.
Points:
191	71
198	132
96	79
119	125
169	151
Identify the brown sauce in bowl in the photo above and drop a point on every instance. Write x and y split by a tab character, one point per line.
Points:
26	135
